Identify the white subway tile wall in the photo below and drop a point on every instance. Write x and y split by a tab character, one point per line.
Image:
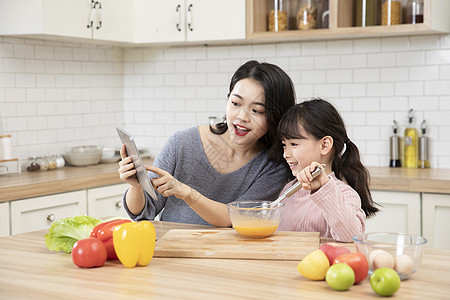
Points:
58	94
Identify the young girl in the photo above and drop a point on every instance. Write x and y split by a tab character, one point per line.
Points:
336	202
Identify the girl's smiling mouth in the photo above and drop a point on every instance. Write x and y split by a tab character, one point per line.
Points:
240	130
292	165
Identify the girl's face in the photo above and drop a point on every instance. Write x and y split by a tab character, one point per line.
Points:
300	153
246	114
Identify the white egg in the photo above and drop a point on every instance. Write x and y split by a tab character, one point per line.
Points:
381	259
404	264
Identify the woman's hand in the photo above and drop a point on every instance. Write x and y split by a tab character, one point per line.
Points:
305	177
126	168
167	185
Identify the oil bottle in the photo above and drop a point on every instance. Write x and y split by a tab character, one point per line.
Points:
395	143
411	143
424	141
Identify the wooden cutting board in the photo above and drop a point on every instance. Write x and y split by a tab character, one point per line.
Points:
226	243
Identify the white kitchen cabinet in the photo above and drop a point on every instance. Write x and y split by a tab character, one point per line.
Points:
106	201
4	219
400	213
189	20
108	20
39	213
436	220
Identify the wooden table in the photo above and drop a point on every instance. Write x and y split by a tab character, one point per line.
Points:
29	271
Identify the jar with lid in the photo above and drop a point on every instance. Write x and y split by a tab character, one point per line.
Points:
414	11
32	164
367	13
60	162
391	12
51	159
43	163
278	15
306	14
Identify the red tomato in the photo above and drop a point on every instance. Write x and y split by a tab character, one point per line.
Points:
89	253
357	261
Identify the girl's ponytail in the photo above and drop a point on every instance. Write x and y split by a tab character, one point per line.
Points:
347	166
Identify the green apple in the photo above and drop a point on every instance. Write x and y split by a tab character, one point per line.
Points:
385	281
340	277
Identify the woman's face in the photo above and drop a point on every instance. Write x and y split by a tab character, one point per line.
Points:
246	114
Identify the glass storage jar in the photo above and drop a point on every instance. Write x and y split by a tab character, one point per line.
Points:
43	163
32	164
367	13
323	14
51	159
278	15
391	12
60	162
414	11
306	14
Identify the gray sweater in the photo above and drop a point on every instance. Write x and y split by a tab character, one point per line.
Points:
183	156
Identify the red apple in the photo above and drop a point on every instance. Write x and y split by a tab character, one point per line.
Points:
333	250
358	262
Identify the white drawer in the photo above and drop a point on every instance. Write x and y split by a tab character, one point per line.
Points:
38	213
4	218
107	201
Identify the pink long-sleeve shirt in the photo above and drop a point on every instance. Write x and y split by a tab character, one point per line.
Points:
334	210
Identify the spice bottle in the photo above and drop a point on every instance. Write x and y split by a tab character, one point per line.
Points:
424	143
414	11
411	142
306	14
395	143
367	13
391	12
278	15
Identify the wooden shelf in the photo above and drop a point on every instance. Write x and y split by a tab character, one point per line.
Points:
341	22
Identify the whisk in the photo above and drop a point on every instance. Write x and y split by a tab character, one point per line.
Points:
298	185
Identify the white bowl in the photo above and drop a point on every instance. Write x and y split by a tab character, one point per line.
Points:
83	155
108	153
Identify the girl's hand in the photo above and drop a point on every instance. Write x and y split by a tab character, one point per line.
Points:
126	168
305	177
167	185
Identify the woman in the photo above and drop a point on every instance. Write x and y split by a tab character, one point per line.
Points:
201	169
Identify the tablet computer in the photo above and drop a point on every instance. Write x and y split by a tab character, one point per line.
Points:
141	172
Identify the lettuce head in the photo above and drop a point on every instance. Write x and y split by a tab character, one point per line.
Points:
64	233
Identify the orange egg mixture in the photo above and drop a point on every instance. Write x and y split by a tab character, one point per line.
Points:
256	228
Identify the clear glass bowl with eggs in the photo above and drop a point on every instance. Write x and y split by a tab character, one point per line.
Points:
255	219
399	251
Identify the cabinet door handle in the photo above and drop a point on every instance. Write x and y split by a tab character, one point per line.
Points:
51	217
190	17
91	16
178	16
119	204
99	14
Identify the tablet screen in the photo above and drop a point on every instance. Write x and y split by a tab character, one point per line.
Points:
141	172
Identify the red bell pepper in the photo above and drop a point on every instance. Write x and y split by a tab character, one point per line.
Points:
104	232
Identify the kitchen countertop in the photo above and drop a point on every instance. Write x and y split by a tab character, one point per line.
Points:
33	184
30	271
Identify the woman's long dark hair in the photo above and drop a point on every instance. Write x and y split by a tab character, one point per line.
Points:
319	118
279	96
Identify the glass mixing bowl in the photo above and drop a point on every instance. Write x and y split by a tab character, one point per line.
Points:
255	219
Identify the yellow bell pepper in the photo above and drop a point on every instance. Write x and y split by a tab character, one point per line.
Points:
134	243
